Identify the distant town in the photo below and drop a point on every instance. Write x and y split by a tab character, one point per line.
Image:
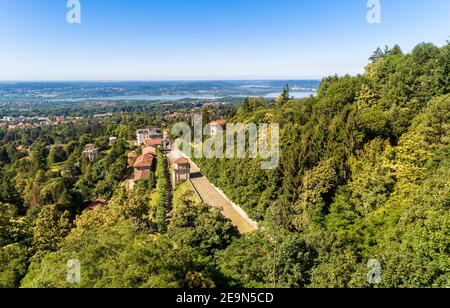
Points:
23	122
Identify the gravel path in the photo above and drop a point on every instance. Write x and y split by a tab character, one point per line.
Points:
210	195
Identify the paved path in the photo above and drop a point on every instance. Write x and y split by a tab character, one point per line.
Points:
210	195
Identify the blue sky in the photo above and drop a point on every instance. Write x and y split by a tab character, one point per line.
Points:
207	39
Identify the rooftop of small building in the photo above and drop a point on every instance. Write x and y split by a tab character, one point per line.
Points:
220	122
132	154
154	142
144	161
181	161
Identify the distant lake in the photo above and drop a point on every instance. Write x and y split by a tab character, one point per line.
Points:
295	94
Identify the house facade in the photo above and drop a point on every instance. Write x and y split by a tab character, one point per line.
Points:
143	135
181	171
215	127
143	167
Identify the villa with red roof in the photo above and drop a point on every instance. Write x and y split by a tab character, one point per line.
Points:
143	167
154	142
181	170
216	126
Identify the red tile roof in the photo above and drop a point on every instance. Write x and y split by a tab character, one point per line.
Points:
220	122
154	142
149	150
144	161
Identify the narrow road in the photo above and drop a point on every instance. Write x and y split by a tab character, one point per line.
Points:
209	194
169	191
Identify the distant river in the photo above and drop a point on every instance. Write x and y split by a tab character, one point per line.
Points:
295	94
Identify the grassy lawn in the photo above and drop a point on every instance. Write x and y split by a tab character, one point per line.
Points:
180	191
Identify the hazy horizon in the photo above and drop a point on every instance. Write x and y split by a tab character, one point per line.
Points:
161	80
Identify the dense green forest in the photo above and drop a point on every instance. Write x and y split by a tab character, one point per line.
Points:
364	174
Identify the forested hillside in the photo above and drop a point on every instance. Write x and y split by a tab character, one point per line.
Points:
364	174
